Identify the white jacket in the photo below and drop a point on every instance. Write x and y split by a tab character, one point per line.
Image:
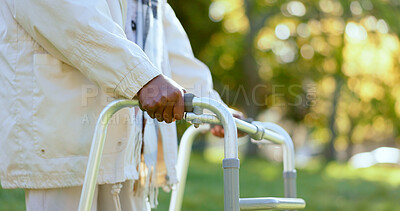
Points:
57	61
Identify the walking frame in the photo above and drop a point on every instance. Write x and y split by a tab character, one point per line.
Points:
194	113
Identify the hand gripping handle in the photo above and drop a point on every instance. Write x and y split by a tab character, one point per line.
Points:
188	102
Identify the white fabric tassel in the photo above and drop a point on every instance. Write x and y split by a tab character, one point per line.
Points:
139	139
116	189
150	37
150	138
170	147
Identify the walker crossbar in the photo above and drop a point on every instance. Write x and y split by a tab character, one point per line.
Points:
231	160
267	203
263	131
255	131
268	131
231	172
230	163
96	151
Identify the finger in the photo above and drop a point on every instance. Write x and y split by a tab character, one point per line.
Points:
212	131
217	128
241	134
179	107
150	113
215	133
238	115
168	112
140	106
219	131
159	113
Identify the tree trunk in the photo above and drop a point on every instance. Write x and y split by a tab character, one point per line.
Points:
330	152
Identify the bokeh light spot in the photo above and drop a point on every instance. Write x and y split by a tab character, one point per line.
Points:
356	32
355	8
307	51
282	31
303	30
217	11
382	26
296	8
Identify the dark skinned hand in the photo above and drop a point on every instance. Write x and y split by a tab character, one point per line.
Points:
162	98
218	130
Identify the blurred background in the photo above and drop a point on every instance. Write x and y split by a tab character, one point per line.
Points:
325	70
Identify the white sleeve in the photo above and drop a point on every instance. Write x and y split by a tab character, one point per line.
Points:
187	71
84	35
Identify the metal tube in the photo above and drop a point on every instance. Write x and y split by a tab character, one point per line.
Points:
185	148
241	125
289	181
231	186
288	147
228	122
268	131
289	171
231	172
271	203
212	119
96	151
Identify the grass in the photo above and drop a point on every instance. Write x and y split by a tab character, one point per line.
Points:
11	200
325	188
333	187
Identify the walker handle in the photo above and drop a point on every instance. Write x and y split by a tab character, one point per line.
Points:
188	101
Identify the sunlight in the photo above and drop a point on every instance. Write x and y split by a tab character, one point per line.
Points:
282	31
377	173
355	32
386	155
331	6
217	11
303	30
382	26
355	8
296	8
363	160
307	51
266	39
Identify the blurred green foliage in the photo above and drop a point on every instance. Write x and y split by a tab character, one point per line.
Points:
335	187
11	200
319	187
329	65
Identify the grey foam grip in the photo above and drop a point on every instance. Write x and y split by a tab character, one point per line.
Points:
230	163
188	100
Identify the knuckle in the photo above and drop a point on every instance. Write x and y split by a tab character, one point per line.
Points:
156	103
162	102
159	117
163	98
176	93
178	116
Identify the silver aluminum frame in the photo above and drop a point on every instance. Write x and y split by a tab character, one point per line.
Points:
231	170
264	131
96	151
185	149
230	162
267	203
269	131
